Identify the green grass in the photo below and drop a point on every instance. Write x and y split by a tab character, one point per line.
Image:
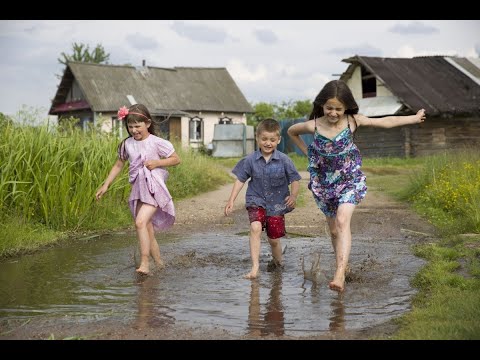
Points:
300	161
196	174
447	304
447	307
20	237
228	163
49	176
447	191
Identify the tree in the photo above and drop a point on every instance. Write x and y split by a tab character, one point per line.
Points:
285	110
262	110
303	108
81	52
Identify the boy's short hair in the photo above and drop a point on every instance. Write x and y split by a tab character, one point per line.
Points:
269	125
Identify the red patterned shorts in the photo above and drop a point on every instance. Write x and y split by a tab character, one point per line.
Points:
275	225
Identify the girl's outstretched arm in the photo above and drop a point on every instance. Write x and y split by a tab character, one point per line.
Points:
116	169
172	160
391	121
294	131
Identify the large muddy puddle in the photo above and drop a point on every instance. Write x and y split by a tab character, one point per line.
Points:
94	280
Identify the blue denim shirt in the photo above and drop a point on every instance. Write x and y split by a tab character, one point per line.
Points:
268	185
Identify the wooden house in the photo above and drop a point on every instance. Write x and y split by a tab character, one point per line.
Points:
448	88
185	102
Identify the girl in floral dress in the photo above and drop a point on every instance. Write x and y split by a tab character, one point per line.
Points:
336	180
150	201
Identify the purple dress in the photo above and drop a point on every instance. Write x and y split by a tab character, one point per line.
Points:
148	186
335	175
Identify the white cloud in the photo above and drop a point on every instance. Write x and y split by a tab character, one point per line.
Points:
242	73
140	42
266	36
199	32
415	27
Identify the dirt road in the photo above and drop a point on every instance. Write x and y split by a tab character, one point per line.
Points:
377	214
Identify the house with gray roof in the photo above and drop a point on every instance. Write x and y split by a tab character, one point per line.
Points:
447	87
185	102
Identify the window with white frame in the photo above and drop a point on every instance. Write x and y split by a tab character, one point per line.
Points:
196	129
225	120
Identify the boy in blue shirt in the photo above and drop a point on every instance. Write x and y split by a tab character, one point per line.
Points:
268	197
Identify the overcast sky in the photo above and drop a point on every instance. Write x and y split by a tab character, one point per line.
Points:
270	60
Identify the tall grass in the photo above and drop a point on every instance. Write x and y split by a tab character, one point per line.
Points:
49	176
448	191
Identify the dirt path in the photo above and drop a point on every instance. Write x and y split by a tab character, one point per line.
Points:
377	214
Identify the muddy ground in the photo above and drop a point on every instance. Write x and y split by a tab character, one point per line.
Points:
378	217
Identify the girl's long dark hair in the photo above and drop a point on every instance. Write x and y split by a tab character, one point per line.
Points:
334	89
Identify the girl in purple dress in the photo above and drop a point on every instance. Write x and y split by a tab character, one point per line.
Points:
336	181
150	201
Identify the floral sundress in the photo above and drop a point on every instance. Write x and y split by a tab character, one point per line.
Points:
335	175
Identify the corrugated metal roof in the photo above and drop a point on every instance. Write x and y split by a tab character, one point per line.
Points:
181	88
379	106
467	67
476	62
428	82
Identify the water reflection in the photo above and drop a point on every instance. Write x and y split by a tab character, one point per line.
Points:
151	312
272	320
88	281
337	320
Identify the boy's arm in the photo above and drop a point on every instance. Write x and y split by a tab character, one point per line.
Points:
237	186
291	200
391	121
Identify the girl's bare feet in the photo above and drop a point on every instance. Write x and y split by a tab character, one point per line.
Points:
338	282
143	270
252	274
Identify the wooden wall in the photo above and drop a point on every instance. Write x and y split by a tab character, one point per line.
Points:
376	142
441	134
433	136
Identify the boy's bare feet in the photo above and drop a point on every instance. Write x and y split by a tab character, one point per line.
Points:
274	264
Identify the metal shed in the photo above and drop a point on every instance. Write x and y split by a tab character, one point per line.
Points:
233	140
